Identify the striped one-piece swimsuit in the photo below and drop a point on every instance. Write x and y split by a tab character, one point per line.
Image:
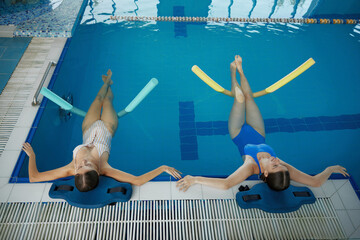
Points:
97	135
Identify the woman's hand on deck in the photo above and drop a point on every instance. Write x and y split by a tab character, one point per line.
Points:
28	149
339	169
172	171
185	183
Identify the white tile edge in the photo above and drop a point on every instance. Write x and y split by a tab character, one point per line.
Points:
59	45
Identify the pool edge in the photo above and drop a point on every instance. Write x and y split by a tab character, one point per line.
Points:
19	162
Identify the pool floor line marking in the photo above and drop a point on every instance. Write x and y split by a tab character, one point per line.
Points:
179	27
191	129
187	134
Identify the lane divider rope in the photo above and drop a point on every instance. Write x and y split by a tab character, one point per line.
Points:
241	20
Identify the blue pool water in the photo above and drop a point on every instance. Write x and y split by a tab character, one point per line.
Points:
313	122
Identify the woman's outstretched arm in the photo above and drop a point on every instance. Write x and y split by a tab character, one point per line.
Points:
36	176
139	180
313	181
241	174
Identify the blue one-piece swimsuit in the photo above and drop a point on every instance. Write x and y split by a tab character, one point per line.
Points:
250	142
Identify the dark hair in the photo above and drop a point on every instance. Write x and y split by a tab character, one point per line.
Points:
277	181
87	181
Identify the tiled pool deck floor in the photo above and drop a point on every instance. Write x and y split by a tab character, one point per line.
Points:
11	50
55	18
17	97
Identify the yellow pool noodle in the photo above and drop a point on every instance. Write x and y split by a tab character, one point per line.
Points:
207	79
302	68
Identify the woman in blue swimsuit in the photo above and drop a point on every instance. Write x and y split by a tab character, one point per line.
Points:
248	132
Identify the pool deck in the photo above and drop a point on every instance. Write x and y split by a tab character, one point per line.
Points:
43	19
17	115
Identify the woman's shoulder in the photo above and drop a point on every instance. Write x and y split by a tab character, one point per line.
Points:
104	166
70	168
249	162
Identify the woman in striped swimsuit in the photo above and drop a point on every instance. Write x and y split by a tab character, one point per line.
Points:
248	133
90	159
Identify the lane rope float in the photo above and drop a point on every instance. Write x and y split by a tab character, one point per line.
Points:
240	20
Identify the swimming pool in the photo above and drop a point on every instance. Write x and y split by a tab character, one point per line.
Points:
313	122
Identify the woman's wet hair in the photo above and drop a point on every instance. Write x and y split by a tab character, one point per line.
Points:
87	181
277	181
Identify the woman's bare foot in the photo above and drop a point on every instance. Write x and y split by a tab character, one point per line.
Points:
238	62
107	78
239	96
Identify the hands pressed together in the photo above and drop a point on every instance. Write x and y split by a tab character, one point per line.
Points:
184	183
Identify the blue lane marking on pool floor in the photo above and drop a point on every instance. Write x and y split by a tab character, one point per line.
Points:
189	129
188	139
179	27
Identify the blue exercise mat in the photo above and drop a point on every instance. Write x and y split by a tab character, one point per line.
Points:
107	192
261	196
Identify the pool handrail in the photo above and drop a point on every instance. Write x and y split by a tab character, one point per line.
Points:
36	95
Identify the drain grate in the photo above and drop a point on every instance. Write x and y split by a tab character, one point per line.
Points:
166	219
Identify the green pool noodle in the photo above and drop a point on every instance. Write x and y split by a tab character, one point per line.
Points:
61	102
141	95
130	107
77	111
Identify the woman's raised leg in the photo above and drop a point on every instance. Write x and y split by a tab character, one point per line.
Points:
94	112
253	114
109	116
237	114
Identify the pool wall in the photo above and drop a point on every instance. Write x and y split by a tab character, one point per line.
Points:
324	9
